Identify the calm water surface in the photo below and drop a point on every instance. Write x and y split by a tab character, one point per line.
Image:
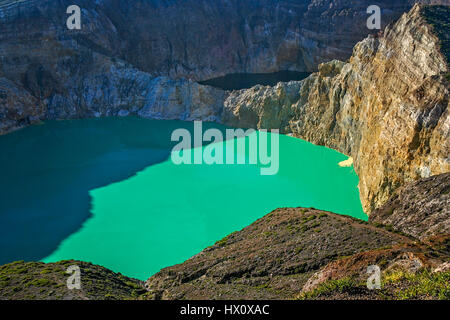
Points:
106	191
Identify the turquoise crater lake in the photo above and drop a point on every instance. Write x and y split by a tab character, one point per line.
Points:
107	192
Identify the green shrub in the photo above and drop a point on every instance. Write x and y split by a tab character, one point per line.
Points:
328	287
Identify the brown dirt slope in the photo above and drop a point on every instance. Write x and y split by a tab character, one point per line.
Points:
270	259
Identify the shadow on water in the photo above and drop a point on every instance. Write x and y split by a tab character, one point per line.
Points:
238	81
46	173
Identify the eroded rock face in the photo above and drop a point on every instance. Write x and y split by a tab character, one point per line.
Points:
17	106
120	90
203	39
106	67
387	108
420	209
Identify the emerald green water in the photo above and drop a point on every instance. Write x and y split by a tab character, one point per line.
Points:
138	223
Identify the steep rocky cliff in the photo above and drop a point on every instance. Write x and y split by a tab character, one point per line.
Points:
420	209
387	107
108	67
201	38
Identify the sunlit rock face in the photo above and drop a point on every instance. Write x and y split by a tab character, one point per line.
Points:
387	107
106	67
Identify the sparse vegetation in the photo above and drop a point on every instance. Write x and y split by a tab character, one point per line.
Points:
422	285
397	285
38	280
330	287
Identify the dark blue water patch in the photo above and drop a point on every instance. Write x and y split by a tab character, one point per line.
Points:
46	172
238	81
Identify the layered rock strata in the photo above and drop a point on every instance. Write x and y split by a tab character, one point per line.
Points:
112	64
387	107
420	209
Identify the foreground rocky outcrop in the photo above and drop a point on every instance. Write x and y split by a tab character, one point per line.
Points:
48	281
420	209
290	253
270	259
418	269
326	255
387	107
408	271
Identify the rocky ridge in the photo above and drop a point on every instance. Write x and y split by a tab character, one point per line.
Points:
289	253
325	254
48	281
387	107
134	57
270	259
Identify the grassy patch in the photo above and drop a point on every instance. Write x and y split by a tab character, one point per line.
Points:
40	283
329	287
395	285
422	285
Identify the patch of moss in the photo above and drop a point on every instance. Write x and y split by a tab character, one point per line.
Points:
40	282
421	285
329	287
395	285
298	250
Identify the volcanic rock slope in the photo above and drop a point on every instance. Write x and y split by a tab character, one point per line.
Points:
270	259
140	57
290	252
326	255
48	281
387	107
